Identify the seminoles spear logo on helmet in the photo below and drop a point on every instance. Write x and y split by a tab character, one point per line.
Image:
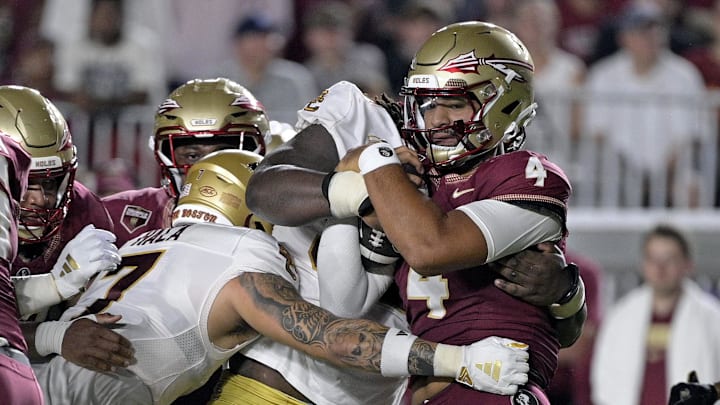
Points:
469	63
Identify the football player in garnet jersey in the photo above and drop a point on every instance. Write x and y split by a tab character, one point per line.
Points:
17	380
63	231
295	186
468	99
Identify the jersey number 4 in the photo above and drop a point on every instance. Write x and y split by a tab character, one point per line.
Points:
535	170
433	290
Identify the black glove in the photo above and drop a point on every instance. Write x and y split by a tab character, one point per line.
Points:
692	392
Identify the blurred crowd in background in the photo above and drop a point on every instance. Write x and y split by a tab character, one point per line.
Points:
99	58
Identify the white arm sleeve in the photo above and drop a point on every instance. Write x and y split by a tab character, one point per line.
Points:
510	229
35	293
346	289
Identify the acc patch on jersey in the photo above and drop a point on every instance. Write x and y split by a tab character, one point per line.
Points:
134	217
524	397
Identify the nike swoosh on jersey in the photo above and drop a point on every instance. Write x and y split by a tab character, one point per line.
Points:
457	193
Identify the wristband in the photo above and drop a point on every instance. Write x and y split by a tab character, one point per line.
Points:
395	353
345	192
575	274
49	337
448	360
375	156
570	308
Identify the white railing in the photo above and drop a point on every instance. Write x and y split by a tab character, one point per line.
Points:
605	176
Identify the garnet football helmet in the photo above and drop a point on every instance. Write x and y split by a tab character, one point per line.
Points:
39	127
214	190
207	111
480	62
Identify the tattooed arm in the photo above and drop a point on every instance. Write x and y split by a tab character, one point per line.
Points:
272	307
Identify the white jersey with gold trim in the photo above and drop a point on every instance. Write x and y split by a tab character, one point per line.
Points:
350	117
164	289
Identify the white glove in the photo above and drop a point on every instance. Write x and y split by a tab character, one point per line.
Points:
89	252
497	365
494	364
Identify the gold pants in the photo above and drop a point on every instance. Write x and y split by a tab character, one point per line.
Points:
234	389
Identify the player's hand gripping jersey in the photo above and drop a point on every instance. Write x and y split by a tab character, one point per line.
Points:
463	306
164	290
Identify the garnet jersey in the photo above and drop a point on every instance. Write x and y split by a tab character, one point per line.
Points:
464	306
164	289
136	211
14	168
85	208
349	116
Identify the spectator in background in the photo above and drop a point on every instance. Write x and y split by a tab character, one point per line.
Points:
558	73
409	28
199	32
282	85
329	33
707	58
35	68
582	24
656	334
107	69
640	107
684	31
19	22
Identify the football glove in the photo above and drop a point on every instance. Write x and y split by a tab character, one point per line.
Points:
494	364
89	252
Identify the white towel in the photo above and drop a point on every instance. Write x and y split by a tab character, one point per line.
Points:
619	358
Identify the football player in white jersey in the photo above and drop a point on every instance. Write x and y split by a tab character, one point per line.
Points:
193	294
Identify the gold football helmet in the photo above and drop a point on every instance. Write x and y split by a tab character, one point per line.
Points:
209	111
481	62
214	190
34	122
